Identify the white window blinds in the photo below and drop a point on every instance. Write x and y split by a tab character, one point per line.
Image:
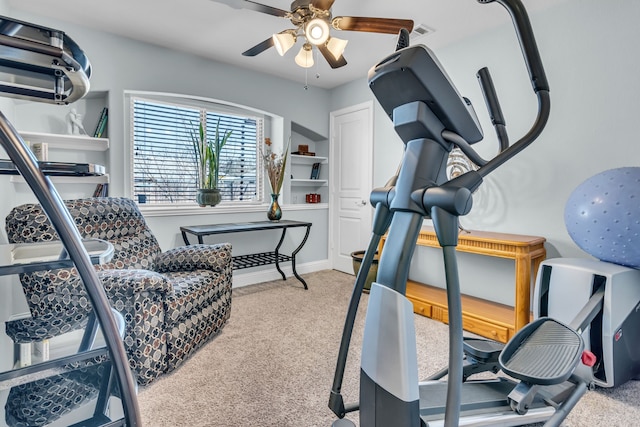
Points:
164	165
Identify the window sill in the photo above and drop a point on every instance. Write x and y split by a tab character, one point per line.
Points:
149	210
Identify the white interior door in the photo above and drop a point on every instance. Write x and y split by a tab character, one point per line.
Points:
351	156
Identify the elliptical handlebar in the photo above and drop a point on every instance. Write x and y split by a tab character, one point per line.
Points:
538	78
493	105
527	40
472	179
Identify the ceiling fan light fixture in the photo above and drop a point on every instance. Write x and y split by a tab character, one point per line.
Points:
284	41
304	58
336	46
316	31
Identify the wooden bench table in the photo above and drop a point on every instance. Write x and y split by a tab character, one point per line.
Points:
483	317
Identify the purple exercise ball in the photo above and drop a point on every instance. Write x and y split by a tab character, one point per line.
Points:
602	216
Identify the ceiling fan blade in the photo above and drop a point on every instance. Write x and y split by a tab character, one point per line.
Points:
252	5
371	25
333	62
259	48
322	4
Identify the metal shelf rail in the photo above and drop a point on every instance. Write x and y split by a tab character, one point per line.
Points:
46	65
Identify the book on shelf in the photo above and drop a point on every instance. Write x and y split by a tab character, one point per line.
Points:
315	171
102	190
40	150
101	127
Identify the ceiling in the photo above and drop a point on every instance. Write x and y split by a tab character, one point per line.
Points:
217	31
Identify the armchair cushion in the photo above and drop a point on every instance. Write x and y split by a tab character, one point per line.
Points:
129	282
34	329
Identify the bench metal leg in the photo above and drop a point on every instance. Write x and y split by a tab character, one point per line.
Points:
284	231
293	257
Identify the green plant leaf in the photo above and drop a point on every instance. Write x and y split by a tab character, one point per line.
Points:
207	154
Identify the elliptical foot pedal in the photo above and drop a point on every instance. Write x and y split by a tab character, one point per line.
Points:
485	351
544	352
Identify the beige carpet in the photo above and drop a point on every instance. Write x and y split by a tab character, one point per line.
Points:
273	364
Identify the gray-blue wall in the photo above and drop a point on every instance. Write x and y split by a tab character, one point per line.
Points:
589	50
121	64
591	59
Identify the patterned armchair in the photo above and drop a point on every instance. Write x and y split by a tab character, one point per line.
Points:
172	302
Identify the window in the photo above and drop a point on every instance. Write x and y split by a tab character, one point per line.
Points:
164	164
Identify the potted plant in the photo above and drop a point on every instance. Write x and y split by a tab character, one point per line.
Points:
207	153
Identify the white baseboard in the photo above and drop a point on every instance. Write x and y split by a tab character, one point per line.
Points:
268	273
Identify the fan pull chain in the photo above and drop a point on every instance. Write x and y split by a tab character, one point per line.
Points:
306	82
306	72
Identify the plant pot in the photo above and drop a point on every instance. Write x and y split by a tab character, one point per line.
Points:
208	197
357	258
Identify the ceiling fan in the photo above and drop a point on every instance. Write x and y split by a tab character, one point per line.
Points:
313	20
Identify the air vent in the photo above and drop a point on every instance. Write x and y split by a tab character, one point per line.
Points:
421	30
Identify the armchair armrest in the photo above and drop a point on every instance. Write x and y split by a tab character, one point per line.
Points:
195	257
129	282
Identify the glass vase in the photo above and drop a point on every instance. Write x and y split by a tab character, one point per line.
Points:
274	213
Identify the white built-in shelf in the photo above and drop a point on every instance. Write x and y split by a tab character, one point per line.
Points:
92	179
306	206
309	182
67	142
307	160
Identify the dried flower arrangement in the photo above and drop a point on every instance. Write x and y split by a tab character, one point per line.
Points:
275	165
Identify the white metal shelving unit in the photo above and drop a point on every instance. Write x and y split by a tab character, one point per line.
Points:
68	142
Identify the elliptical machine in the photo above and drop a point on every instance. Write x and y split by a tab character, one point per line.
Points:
547	356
